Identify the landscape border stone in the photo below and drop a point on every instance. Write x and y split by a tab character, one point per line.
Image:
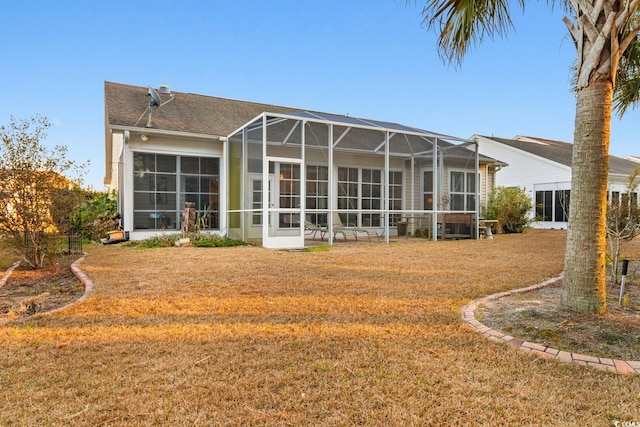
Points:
607	364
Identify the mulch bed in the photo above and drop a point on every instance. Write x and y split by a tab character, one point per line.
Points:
29	291
535	316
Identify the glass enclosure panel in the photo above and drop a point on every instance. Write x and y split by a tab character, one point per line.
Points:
154	197
235	180
155	220
209	166
284	137
156	192
189	184
317	196
471	202
395	196
144	182
427	190
471	183
544	205
371	197
166	163
463	191
457	202
457	182
289	194
256	194
144	162
201	189
190	165
562	205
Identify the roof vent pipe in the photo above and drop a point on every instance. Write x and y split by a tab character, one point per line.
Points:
164	89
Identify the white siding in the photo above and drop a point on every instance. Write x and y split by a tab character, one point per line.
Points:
526	171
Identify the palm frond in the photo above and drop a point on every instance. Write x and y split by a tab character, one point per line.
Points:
464	23
627	88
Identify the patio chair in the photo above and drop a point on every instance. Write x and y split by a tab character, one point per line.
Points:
313	229
339	227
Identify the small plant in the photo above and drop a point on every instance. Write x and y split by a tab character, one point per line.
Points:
203	220
421	232
200	240
323	368
625	301
32	305
323	248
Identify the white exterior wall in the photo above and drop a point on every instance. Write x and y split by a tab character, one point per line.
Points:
117	145
529	172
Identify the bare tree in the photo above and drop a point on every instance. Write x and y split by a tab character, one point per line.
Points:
623	221
30	177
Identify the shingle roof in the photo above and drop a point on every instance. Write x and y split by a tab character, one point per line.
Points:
561	152
209	116
126	106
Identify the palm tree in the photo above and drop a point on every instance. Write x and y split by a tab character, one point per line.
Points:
605	34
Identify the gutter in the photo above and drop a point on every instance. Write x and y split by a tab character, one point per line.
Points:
153	131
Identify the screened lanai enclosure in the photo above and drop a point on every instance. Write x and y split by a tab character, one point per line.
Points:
290	174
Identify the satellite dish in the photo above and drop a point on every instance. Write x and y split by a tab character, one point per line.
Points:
155	100
155	97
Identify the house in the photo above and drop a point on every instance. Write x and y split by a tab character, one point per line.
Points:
542	167
260	172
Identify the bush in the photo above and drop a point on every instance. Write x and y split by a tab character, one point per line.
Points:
98	215
200	240
510	206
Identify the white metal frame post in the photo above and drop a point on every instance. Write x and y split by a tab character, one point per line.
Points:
386	187
477	179
332	202
436	190
265	183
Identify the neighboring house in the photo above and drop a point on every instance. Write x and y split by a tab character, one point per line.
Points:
166	149
633	158
542	167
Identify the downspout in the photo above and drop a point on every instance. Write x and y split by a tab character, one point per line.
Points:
224	204
120	172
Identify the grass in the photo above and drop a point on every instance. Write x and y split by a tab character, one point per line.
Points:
357	334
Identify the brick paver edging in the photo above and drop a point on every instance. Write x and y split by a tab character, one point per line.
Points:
75	267
8	272
88	286
469	316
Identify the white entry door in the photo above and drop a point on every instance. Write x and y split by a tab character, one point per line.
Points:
284	228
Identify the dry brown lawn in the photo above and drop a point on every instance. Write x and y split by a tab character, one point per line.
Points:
361	334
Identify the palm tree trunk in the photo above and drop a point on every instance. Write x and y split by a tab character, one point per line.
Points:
584	283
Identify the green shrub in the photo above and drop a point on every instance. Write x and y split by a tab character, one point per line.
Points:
200	240
510	206
98	215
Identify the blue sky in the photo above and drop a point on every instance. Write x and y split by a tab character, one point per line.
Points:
365	58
